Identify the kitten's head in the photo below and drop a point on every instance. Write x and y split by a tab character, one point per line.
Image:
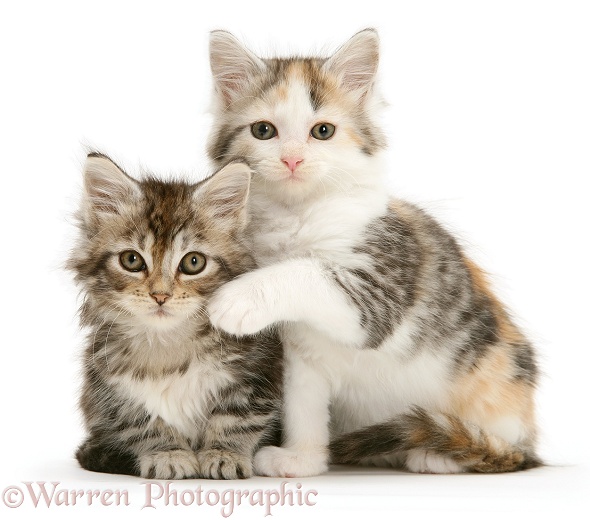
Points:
150	252
306	125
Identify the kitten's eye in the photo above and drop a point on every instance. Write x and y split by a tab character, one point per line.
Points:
132	261
323	131
263	130
192	263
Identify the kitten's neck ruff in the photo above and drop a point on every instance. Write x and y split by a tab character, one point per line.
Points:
170	340
322	224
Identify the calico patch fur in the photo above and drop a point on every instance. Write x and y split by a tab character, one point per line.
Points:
397	347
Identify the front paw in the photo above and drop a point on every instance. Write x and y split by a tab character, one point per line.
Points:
173	464
240	308
223	464
273	461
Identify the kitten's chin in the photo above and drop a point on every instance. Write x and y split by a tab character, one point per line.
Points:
162	313
162	320
289	188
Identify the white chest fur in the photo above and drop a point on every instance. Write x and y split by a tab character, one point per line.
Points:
182	401
329	227
369	386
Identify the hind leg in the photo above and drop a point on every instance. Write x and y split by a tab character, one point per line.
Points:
95	455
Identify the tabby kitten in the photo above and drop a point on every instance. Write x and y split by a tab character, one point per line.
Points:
165	395
397	351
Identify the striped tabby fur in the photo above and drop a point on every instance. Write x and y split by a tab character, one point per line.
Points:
397	350
165	395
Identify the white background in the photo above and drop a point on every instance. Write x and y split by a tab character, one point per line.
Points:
489	129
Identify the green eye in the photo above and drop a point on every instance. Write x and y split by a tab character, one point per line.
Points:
323	131
263	130
192	263
132	261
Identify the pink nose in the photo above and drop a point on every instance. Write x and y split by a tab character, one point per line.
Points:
292	162
160	297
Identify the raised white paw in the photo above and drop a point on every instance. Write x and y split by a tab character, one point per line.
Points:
240	307
422	461
174	464
273	461
223	464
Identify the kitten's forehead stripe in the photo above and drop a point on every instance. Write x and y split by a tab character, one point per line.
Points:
169	210
307	70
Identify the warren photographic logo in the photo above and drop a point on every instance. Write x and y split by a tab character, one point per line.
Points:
158	494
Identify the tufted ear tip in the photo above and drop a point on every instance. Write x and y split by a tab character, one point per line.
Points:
232	64
355	63
106	185
225	193
236	173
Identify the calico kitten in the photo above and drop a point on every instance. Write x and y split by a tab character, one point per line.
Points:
397	350
166	396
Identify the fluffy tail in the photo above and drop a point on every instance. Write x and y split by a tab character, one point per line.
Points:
439	433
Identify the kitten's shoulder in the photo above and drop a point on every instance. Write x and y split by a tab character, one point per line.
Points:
408	211
417	221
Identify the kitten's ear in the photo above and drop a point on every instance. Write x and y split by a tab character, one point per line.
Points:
355	63
106	186
232	64
223	196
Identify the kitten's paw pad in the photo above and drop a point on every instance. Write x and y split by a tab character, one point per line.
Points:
165	465
223	464
239	309
423	461
273	461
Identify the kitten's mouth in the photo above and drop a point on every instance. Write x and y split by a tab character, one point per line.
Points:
160	312
293	177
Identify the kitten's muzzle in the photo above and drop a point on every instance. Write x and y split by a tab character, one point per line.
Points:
160	297
292	162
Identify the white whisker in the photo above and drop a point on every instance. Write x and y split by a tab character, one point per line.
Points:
107	339
97	329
